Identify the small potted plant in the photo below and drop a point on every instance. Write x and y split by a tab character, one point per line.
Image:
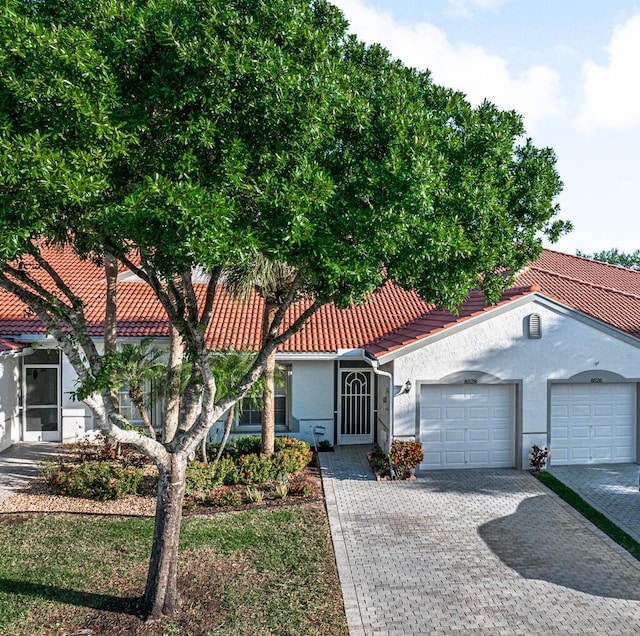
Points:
405	457
538	458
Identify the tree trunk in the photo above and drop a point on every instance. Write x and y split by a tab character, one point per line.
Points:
268	405
205	459
227	429
138	402
174	380
161	594
111	322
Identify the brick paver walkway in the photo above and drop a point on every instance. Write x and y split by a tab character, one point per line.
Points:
471	552
610	488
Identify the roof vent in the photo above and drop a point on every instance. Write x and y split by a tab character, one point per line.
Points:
535	326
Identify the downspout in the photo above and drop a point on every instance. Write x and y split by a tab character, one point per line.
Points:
374	363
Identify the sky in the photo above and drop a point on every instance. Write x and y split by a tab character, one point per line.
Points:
570	67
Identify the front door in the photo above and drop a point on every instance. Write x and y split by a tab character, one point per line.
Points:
41	404
355	418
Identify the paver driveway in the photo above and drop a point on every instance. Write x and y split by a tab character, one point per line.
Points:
471	552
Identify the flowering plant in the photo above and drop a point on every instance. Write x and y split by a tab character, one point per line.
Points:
405	456
538	458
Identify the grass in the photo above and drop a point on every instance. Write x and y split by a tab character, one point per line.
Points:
590	513
256	572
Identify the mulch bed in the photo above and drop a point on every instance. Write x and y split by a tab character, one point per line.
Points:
37	497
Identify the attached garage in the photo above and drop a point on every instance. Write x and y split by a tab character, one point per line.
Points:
592	423
467	426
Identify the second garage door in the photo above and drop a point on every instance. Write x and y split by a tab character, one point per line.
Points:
467	426
592	423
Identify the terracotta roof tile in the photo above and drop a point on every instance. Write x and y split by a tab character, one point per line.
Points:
7	346
390	319
436	319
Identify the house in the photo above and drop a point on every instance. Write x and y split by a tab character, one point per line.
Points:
556	362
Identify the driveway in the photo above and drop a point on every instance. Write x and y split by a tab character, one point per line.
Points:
613	489
19	464
471	552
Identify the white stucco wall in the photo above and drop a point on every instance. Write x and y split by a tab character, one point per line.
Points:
499	346
312	399
311	402
9	413
76	417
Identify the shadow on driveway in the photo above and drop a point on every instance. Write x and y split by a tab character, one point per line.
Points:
538	542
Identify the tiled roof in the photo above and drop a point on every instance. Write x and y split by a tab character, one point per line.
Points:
436	320
8	346
390	319
606	292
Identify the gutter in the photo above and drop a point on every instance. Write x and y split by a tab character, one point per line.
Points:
374	363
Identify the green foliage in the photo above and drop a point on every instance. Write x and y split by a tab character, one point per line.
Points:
245	445
202	478
206	133
630	260
222	498
254	494
94	480
302	488
291	455
255	469
379	462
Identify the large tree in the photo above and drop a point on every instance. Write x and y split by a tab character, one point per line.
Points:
182	136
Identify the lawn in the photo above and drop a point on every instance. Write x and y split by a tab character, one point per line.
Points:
259	571
590	513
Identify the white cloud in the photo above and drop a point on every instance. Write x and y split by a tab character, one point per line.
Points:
535	93
464	8
612	92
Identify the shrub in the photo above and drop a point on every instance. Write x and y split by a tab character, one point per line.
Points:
302	488
291	455
222	497
538	458
255	469
95	480
405	456
248	445
201	478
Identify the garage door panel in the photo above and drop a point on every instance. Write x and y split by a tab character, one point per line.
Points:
454	458
501	435
621	454
453	435
580	410
456	414
431	413
592	423
560	411
602	431
479	435
478	457
579	455
579	432
477	430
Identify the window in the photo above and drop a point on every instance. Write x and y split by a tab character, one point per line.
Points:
251	416
129	411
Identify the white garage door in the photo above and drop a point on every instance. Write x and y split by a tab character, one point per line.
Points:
592	423
467	426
